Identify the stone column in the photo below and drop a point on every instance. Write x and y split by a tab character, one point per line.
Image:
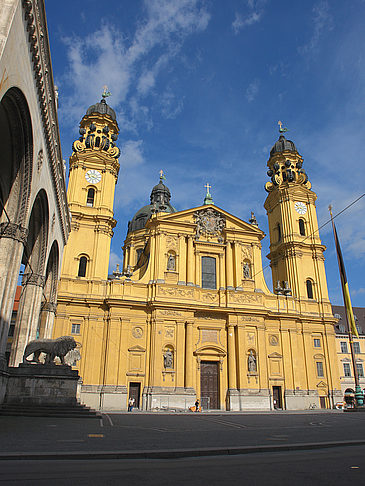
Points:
198	279
189	355
237	266
190	262
13	237
28	315
221	273
182	260
232	378
229	266
47	319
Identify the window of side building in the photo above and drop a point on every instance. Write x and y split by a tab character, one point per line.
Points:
75	328
209	277
356	348
360	370
343	346
317	343
346	369
320	372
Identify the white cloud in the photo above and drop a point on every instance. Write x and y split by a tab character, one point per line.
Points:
128	67
322	22
171	105
113	260
132	153
252	90
254	15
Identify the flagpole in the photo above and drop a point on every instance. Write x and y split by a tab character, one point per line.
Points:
359	397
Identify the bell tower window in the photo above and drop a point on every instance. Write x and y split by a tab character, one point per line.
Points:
309	285
209	277
301	227
90	197
82	267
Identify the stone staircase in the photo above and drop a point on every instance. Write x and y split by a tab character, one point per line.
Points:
63	411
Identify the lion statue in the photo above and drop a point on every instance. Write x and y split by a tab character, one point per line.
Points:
51	347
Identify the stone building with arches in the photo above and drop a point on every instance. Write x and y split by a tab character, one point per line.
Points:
189	314
34	216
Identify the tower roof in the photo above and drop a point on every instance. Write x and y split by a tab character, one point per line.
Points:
103	108
281	145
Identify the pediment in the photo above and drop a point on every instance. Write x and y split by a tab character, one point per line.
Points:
322	384
318	356
275	355
137	349
232	223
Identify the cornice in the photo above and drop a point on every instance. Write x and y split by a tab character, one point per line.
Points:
36	25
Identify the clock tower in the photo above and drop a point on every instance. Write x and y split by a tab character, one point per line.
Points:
296	252
93	175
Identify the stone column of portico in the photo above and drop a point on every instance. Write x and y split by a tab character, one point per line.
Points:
237	265
189	355
13	237
28	315
47	317
190	262
229	266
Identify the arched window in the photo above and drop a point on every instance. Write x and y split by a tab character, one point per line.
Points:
209	278
97	142
302	227
82	267
279	232
139	253
309	289
90	197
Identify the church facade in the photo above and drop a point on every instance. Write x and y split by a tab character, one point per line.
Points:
190	315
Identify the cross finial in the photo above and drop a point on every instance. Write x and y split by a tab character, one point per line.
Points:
208	187
106	93
162	176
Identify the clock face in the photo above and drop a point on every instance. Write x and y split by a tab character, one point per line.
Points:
300	207
93	176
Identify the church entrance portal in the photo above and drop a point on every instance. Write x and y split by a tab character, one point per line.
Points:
135	392
209	384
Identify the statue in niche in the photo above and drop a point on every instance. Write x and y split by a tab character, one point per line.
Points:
246	270
252	365
168	359
171	264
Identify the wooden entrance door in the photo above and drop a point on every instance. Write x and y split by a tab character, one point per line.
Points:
209	383
134	392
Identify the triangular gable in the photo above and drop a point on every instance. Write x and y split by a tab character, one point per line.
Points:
186	217
275	355
137	349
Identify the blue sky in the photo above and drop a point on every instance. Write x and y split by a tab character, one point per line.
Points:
198	88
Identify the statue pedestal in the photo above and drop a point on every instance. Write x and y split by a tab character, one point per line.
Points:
39	384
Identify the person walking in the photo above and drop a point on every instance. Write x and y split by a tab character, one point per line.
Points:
197	405
130	404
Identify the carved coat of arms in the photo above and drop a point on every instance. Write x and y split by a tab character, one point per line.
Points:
209	222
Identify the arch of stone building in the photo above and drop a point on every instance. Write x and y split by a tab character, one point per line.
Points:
210	350
16	157
35	250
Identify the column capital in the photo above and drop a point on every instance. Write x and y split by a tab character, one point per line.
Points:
34	279
49	307
14	231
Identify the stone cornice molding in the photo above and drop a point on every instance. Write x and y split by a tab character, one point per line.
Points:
35	20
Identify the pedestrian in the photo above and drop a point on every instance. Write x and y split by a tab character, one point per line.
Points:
197	405
130	404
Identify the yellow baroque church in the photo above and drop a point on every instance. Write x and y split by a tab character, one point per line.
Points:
190	315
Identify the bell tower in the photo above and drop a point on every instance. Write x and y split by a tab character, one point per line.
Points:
93	175
296	252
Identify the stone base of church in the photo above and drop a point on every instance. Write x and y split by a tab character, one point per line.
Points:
104	397
248	399
161	398
4	377
301	399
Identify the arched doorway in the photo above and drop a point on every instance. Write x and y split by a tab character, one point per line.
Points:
16	161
